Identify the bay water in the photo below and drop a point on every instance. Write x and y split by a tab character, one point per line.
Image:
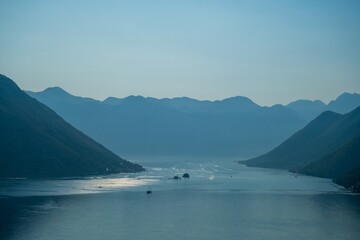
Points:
221	200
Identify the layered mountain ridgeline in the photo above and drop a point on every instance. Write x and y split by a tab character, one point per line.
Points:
176	127
36	143
309	110
183	126
327	147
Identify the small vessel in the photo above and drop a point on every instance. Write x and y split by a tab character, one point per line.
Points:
186	175
149	191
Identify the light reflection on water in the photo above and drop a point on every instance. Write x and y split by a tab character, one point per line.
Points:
68	187
213	174
221	200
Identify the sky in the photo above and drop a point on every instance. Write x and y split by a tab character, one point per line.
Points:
272	51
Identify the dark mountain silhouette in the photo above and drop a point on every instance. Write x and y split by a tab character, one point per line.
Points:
350	180
177	127
319	138
338	163
329	146
36	143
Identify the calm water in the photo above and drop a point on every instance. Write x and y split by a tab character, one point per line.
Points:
221	200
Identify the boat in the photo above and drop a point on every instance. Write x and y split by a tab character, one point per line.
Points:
149	191
186	175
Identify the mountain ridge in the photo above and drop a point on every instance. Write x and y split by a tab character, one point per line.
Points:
329	146
234	126
306	145
181	126
344	103
37	143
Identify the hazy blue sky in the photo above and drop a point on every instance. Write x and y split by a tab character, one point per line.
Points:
270	51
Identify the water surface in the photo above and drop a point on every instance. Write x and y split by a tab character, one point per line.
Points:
221	200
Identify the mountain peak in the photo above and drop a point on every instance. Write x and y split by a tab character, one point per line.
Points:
183	98
50	147
58	91
59	94
8	89
319	138
239	102
347	94
129	99
306	103
135	97
112	100
238	99
345	102
7	83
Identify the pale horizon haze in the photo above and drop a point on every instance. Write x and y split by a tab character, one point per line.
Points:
269	51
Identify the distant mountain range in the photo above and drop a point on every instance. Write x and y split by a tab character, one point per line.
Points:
176	127
183	126
329	146
345	103
36	143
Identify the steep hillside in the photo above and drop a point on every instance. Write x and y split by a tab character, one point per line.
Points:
319	138
36	143
338	163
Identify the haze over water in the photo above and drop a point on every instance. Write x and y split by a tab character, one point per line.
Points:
276	54
221	200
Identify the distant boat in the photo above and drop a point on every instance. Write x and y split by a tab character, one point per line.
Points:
186	175
149	191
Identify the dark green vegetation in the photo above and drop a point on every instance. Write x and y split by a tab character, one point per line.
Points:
36	143
329	146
